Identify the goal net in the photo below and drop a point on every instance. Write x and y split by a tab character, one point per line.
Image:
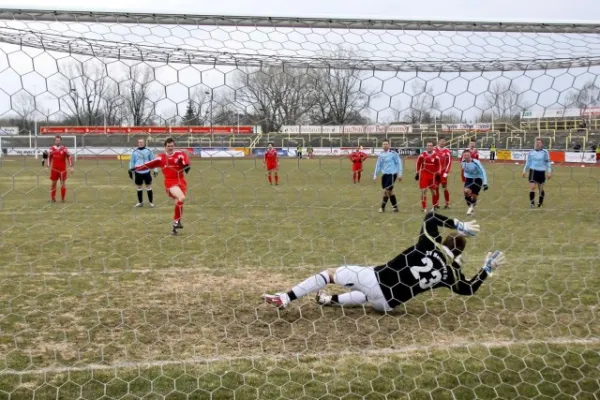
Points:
97	299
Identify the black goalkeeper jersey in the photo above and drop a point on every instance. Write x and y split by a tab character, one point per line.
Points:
424	266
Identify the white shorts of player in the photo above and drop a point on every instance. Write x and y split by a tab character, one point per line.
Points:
364	280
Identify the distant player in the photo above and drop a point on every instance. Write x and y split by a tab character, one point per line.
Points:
475	180
357	157
429	264
44	157
428	175
390	165
139	156
173	163
445	156
538	163
299	152
474	155
271	163
493	151
309	152
58	158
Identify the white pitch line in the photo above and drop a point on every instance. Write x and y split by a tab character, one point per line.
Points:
404	351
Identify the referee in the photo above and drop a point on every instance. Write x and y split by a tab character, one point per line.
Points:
139	156
390	165
538	164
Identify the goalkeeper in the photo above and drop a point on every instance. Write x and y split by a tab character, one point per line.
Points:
430	264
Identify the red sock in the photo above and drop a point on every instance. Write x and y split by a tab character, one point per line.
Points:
178	211
435	197
270	181
276	179
53	193
424	201
63	192
447	196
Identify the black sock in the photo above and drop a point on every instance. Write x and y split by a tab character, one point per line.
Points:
334	299
394	201
384	202
474	202
140	193
150	195
292	295
532	197
542	195
468	200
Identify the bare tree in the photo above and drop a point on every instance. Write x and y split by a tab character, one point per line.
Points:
113	105
587	96
25	106
422	104
83	90
137	92
279	96
340	96
505	101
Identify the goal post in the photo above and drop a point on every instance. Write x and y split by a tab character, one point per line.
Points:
99	298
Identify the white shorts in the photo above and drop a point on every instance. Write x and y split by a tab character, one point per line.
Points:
364	280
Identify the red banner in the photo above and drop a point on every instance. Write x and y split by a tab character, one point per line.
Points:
147	130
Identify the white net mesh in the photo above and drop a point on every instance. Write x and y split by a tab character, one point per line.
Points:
96	299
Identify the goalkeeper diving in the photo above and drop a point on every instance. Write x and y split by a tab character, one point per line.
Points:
429	264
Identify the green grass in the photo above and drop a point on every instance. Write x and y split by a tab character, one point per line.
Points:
96	299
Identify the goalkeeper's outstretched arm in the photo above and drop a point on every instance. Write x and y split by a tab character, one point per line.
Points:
469	287
430	232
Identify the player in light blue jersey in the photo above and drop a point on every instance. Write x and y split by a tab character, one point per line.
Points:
475	180
139	156
390	166
540	168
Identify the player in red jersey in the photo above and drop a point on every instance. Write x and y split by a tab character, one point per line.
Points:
428	174
445	156
173	164
58	157
271	163
474	155
357	158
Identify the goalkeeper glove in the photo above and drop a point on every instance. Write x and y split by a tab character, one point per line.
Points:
493	261
186	169
485	187
130	174
416	177
467	228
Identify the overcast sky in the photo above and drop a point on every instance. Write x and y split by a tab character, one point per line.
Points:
494	10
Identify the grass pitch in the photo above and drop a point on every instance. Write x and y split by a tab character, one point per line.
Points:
96	299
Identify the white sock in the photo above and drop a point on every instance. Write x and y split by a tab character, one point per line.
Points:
311	285
352	298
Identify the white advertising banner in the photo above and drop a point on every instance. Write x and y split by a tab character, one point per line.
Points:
311	129
400	129
479	127
484	154
588	158
518	155
354	129
9	130
290	129
221	153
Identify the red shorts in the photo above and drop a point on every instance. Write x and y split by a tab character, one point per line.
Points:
427	181
443	181
181	185
271	167
58	175
357	167
597	156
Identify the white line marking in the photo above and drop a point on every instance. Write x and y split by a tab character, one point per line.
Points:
404	351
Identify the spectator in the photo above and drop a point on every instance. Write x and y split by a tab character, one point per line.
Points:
582	125
577	147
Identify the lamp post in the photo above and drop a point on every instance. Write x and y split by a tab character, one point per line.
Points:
211	108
